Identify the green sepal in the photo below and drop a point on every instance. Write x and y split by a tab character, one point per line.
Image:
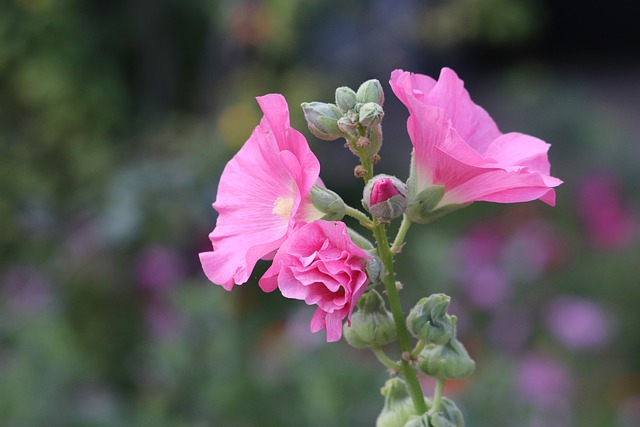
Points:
372	325
398	406
448	361
429	321
322	119
327	202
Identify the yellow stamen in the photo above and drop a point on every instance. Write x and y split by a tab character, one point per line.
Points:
282	207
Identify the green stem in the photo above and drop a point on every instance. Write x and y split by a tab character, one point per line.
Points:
364	220
418	349
407	370
385	360
402	232
437	395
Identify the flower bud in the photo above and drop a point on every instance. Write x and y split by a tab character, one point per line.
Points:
347	125
385	197
418	421
370	114
370	91
398	406
327	202
448	416
448	361
345	99
372	324
322	120
429	321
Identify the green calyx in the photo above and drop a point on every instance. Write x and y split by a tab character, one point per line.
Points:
372	324
448	415
398	406
448	361
429	321
370	91
322	119
327	202
423	204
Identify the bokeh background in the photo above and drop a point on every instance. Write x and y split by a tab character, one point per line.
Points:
117	117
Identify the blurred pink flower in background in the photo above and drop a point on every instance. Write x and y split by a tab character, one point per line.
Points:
27	289
510	328
543	381
494	256
458	145
609	221
578	323
158	268
162	319
484	281
262	196
320	265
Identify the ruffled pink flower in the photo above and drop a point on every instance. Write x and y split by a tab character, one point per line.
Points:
262	196
457	145
320	265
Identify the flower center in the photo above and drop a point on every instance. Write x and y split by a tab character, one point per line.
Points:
282	207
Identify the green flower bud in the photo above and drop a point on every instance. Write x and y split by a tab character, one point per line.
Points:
347	125
328	202
345	99
429	321
448	361
418	421
398	406
385	197
322	120
372	324
370	114
448	416
370	91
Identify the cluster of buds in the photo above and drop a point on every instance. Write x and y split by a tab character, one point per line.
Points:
398	410
443	357
355	116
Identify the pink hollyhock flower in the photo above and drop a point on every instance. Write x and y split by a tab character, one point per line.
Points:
459	147
262	196
320	265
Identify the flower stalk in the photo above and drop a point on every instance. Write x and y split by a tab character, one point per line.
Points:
408	372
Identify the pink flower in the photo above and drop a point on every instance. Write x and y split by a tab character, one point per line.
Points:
459	147
320	265
542	380
262	196
578	323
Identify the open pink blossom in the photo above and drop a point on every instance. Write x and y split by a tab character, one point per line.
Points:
458	146
320	265
262	196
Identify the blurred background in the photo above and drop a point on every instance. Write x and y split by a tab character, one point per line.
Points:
117	117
